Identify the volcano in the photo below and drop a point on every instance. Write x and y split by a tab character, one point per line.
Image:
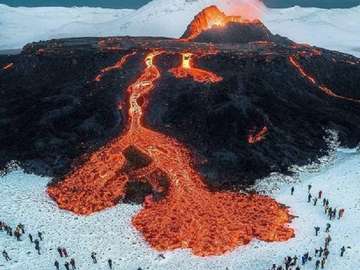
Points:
178	124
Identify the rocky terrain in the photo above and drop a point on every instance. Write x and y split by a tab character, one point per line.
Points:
271	110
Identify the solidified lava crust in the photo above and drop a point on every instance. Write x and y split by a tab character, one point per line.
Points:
190	216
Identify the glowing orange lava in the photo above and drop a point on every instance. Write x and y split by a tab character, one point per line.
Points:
118	65
8	66
209	18
186	70
189	216
312	80
255	138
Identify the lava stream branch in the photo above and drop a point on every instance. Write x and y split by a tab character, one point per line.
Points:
190	215
186	69
8	66
118	65
294	62
254	138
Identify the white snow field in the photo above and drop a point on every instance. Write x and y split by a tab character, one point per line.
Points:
110	234
333	29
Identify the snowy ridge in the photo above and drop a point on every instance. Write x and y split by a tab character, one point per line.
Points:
333	29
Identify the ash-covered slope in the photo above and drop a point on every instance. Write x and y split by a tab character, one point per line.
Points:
271	109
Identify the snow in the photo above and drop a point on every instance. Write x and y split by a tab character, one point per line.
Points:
111	235
333	29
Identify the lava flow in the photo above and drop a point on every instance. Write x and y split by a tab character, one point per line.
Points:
8	66
190	215
118	65
313	81
259	136
199	75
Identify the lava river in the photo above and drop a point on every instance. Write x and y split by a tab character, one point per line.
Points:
189	215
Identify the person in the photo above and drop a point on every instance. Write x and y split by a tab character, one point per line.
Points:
93	257
297	268
67	266
31	238
330	212
292	190
309	187
320	194
72	262
6	255
341	213
273	267
37	246
315	201
295	260
17	234
317	264
321	250
324	202
64	251
316	252
22	228
323	261
40	236
110	263
57	265
309	197
342	251
60	252
328	226
326	253
317	229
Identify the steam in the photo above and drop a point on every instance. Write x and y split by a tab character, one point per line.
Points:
247	9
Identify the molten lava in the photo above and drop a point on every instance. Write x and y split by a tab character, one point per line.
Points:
190	215
209	18
312	80
118	65
199	75
8	66
259	136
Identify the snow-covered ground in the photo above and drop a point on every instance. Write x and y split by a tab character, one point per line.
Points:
110	234
334	29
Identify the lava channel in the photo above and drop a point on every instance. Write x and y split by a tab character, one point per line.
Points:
189	215
8	66
118	65
312	80
254	138
186	69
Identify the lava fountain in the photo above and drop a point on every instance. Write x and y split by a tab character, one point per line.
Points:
186	69
190	215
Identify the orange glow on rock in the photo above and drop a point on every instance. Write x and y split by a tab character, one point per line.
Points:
190	215
118	65
8	66
186	69
209	18
259	136
312	80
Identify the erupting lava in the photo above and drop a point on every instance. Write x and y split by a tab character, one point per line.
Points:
186	70
312	80
190	215
8	66
208	18
257	137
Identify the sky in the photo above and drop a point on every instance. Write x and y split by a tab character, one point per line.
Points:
139	3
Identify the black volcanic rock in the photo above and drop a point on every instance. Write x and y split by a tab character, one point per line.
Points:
52	112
